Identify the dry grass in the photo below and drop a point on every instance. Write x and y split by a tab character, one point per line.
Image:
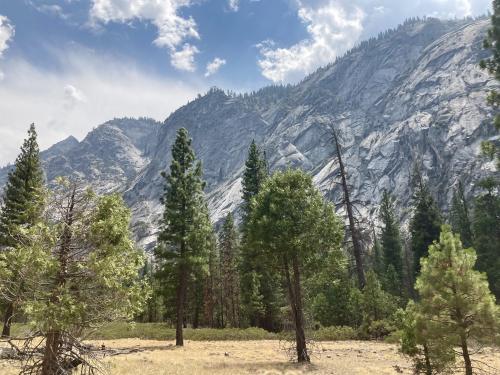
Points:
254	357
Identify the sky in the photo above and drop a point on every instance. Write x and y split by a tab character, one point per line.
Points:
70	65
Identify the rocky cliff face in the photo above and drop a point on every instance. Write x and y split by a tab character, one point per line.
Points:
413	94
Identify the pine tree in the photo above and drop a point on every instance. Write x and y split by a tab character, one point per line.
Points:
23	195
426	221
253	178
23	202
455	303
253	274
492	64
486	226
228	249
185	229
295	231
460	217
391	243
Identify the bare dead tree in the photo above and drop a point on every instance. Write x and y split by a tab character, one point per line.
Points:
349	206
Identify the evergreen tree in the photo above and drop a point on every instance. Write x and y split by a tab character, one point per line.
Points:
295	231
426	221
391	243
486	226
23	195
259	287
492	64
22	207
460	217
253	178
228	249
186	230
456	303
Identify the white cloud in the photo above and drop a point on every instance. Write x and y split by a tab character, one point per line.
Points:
73	96
89	91
183	59
6	33
234	5
173	29
332	29
334	26
214	66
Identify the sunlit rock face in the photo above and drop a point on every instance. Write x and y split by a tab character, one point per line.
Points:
415	94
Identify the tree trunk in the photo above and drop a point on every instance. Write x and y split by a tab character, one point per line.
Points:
465	354
295	294
52	346
356	243
7	322
181	296
428	366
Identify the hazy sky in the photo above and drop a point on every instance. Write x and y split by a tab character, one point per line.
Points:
70	65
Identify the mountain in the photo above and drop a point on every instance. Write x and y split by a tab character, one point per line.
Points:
414	94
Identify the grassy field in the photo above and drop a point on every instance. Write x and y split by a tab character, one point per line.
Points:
262	357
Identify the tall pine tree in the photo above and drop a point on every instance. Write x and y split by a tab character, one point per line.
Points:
259	287
492	64
186	231
425	225
486	225
22	205
391	243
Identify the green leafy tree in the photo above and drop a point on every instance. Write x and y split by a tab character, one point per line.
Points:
460	216
186	230
230	285
492	64
296	230
486	227
22	206
391	243
456	305
81	270
426	220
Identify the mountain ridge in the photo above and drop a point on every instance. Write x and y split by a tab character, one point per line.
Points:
415	93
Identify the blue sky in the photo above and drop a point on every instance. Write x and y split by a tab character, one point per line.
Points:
70	65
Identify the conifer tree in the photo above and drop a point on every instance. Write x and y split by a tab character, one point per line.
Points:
492	64
295	230
486	226
391	243
186	231
228	249
456	303
259	287
460	217
22	205
426	220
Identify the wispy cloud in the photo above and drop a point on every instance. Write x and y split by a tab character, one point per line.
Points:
173	29
90	91
214	66
6	33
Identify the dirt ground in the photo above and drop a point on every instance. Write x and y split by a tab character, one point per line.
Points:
256	358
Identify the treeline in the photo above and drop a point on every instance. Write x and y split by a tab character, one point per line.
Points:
290	264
